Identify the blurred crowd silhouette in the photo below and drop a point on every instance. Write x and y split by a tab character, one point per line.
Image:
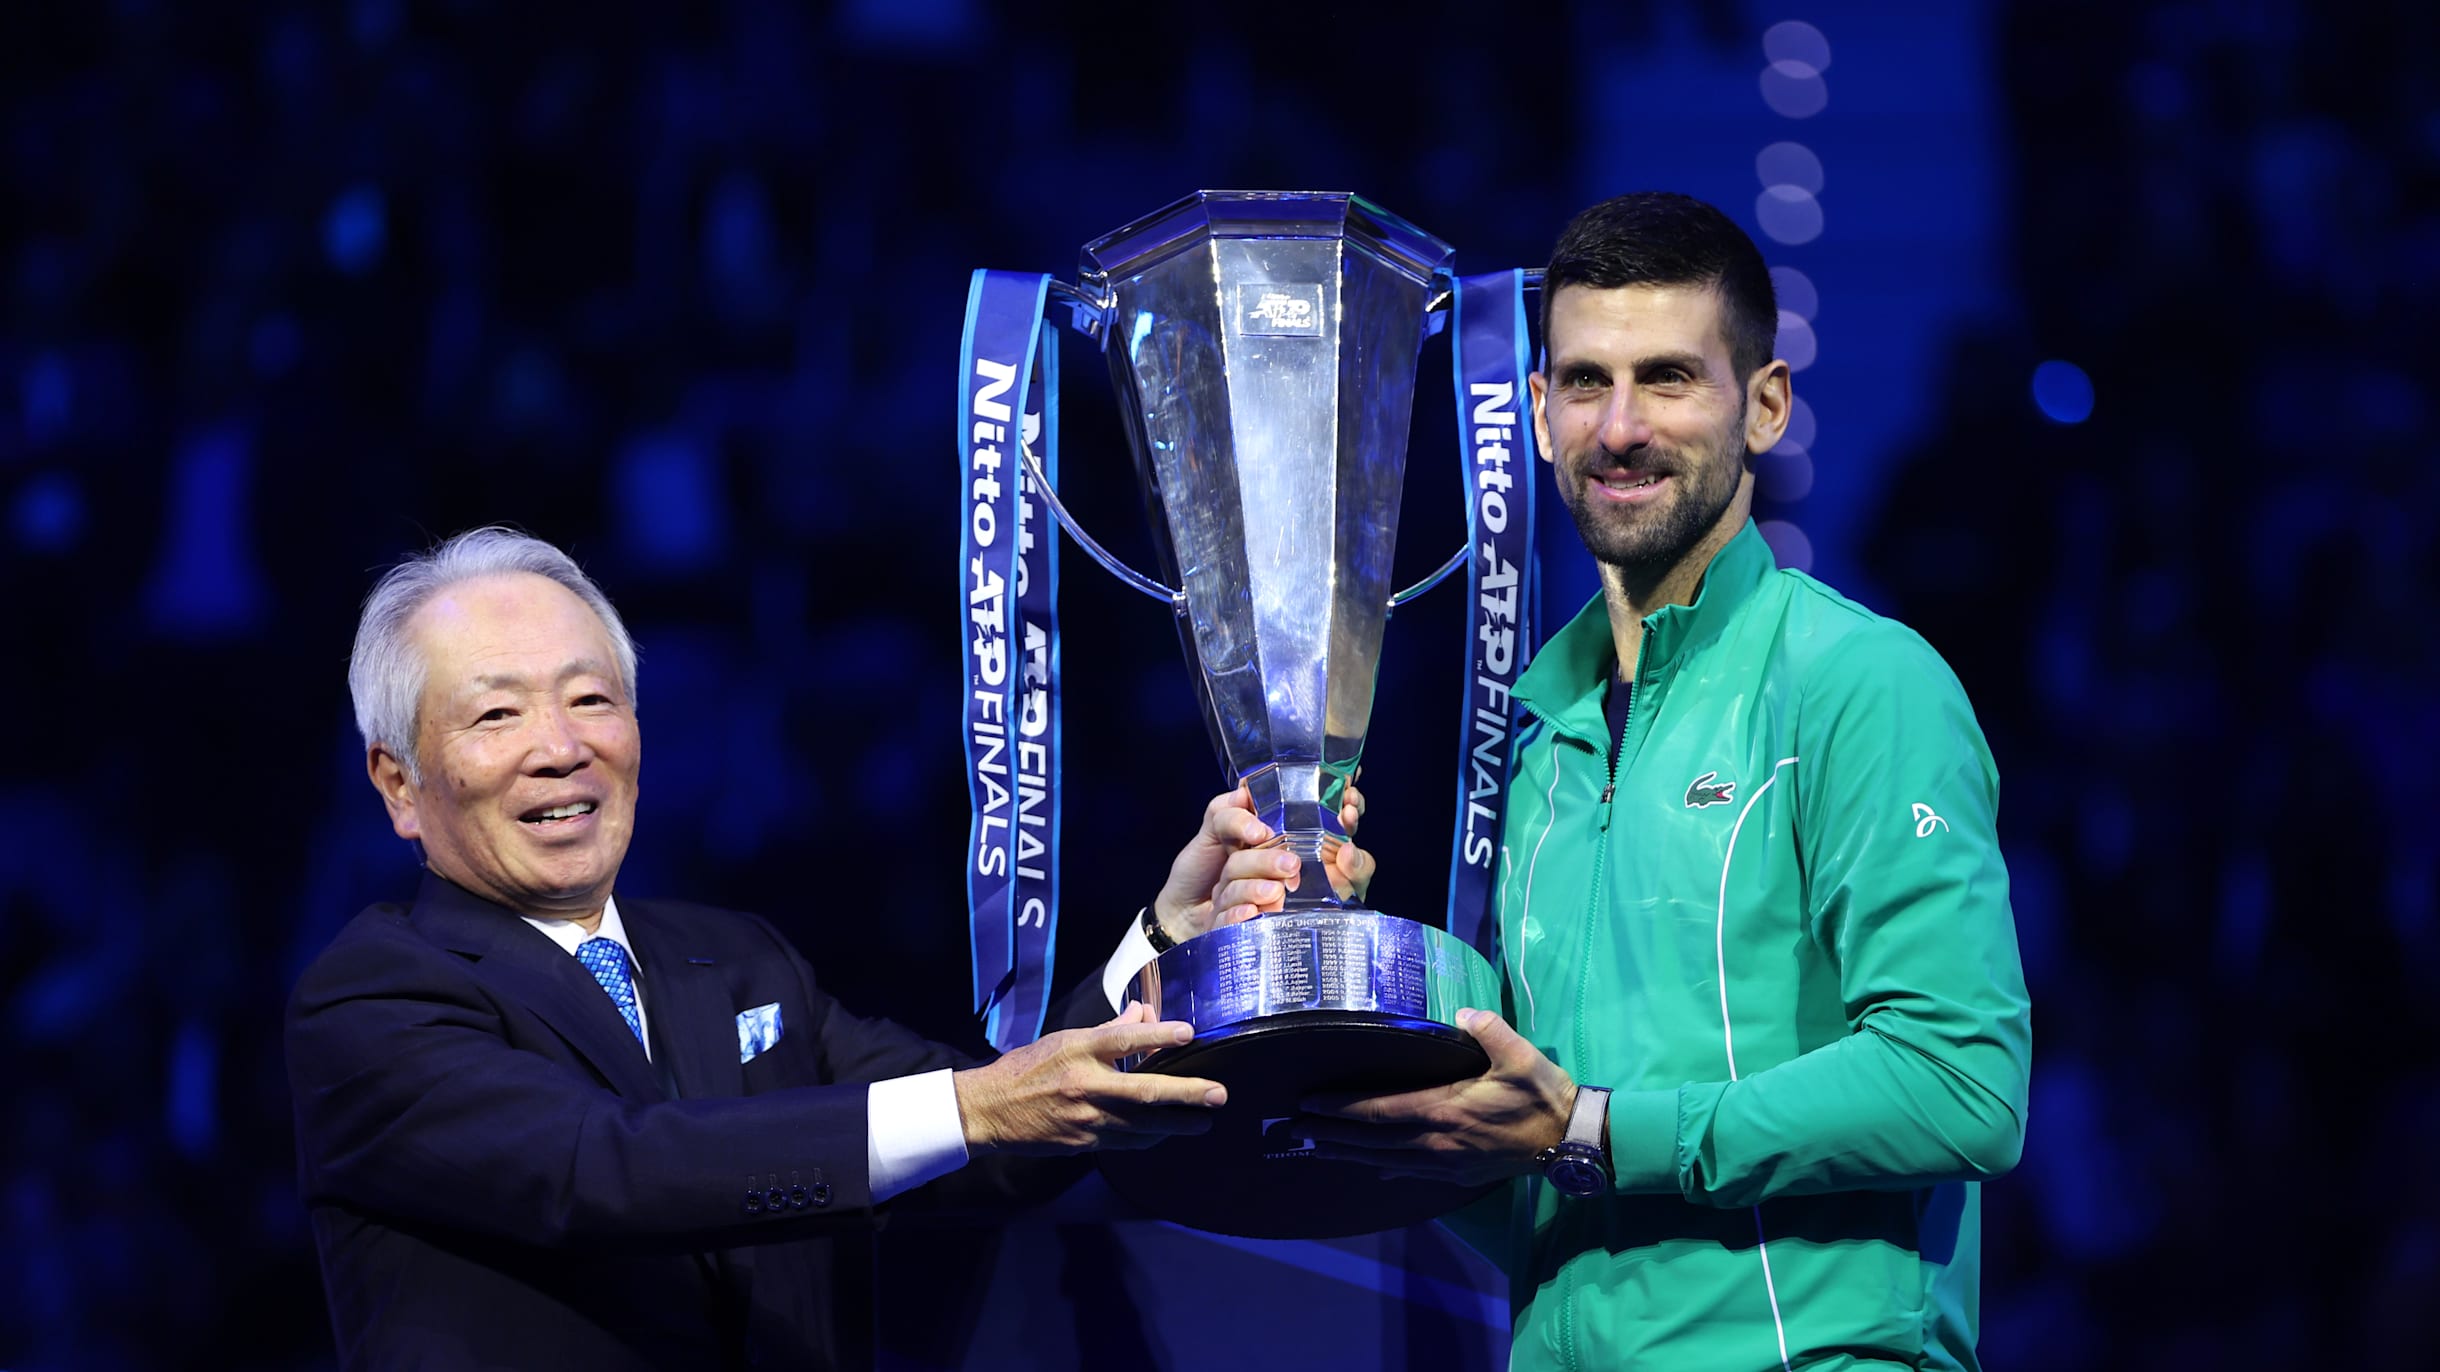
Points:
292	289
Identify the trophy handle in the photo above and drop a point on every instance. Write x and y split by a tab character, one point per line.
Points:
1456	560
1088	315
1169	596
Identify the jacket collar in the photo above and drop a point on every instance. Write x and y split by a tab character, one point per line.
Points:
462	922
524	963
1565	681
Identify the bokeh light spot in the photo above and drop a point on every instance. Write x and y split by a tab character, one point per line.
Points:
46	396
2157	91
1800	425
1796	342
1788	215
356	230
1796	293
1788	544
739	243
374	22
2386	403
274	346
913	24
1794	40
50	514
667	495
192	1110
205	583
1789	164
1785	473
2062	392
1794	90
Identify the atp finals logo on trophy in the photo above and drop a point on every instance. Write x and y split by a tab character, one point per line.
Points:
1280	312
1264	346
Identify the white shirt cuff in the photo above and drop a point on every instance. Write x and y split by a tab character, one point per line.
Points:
1133	952
913	1133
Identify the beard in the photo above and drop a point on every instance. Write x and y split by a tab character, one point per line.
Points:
1647	543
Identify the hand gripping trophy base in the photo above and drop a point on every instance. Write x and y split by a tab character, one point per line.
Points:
1289	1006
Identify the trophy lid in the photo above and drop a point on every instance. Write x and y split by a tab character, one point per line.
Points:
1194	219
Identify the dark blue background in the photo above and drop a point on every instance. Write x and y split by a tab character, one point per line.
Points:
290	289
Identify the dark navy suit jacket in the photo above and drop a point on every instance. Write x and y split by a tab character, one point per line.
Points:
498	1177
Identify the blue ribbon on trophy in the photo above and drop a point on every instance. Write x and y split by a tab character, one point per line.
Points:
1495	433
1007	398
1034	893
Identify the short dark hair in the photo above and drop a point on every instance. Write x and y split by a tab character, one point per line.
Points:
1661	238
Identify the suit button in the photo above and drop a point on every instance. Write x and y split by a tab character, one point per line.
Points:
821	1194
775	1200
753	1202
797	1198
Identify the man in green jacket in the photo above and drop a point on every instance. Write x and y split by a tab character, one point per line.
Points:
1770	1026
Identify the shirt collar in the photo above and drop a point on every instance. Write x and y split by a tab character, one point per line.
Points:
1734	572
570	935
1566	679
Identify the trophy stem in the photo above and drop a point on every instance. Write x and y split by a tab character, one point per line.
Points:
1313	849
1300	801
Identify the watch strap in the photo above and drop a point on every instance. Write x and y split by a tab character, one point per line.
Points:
1588	1132
1589	1122
1587	1141
1154	934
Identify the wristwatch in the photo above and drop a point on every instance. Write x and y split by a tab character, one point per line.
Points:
1579	1165
1155	934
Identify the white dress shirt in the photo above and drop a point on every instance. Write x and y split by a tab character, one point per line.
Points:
1133	952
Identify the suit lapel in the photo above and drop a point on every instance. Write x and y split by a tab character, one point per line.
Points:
523	963
687	997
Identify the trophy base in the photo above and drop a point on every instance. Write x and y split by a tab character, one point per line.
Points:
1245	1177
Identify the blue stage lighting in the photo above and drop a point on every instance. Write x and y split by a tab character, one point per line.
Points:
1788	214
356	229
1789	545
50	514
2063	392
1796	293
1797	344
47	397
1789	164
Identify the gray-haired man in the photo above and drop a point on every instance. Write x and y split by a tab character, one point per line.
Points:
538	1125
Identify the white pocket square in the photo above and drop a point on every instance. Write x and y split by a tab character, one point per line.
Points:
757	1029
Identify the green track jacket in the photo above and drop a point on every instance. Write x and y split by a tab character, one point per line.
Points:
1777	926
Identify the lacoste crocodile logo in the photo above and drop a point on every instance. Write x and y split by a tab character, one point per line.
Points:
1702	792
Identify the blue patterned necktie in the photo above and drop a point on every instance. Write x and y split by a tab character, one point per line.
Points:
606	959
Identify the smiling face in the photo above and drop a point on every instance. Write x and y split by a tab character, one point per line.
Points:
528	745
1647	425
